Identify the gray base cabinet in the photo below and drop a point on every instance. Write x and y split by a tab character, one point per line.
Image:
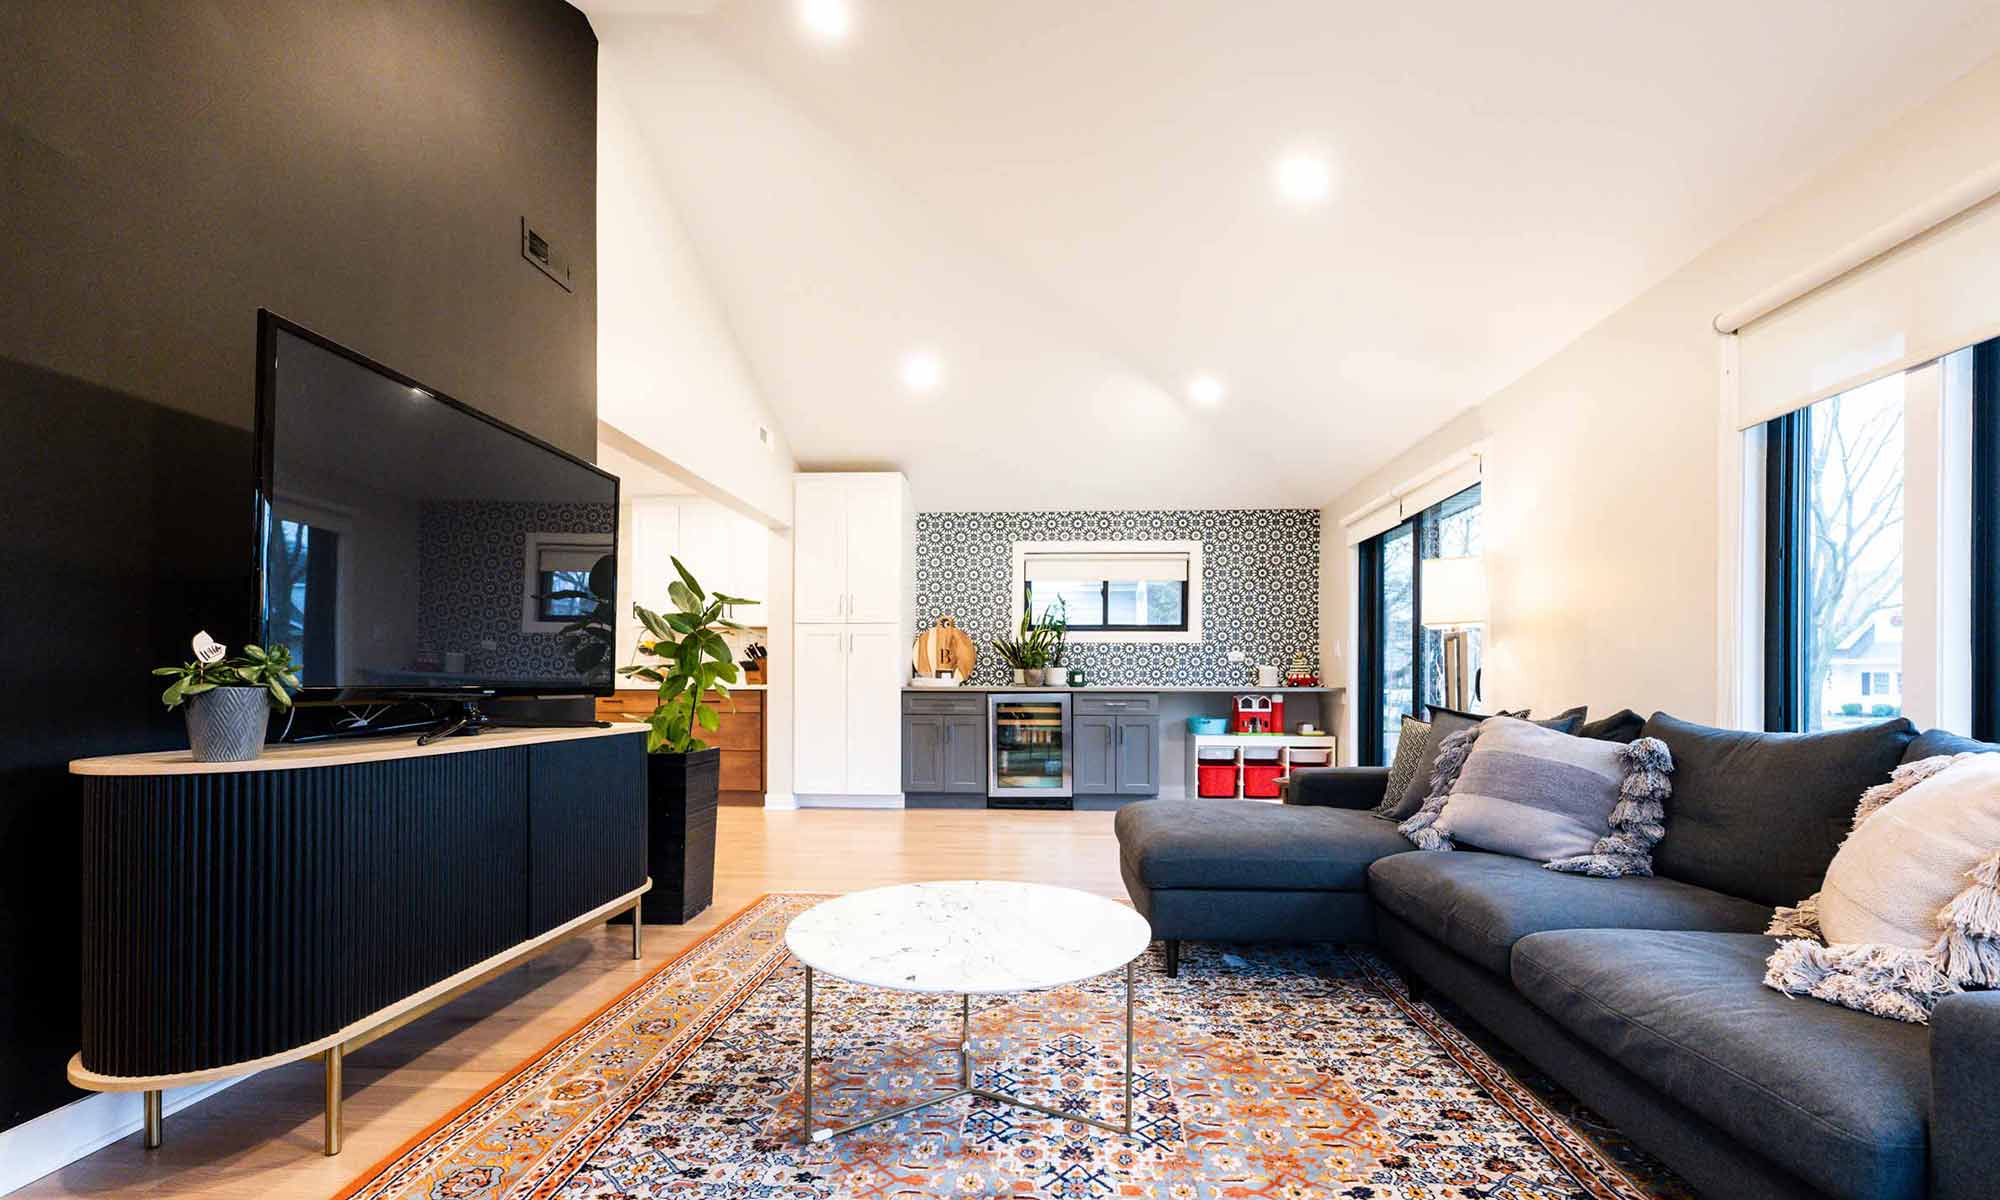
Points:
944	745
1117	745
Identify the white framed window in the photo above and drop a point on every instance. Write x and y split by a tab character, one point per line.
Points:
1112	591
555	570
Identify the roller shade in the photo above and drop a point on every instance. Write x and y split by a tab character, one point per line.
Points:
1933	294
1064	568
1414	497
1440	487
569	558
1370	522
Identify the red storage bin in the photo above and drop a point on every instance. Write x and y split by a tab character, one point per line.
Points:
1217	781
1261	781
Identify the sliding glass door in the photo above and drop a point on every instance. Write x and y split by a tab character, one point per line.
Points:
1402	664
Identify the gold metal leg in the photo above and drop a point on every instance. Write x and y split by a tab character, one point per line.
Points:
332	1059
155	1123
638	929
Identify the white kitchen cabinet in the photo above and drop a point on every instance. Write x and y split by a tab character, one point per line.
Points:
853	581
854	546
819	550
819	726
876	655
726	552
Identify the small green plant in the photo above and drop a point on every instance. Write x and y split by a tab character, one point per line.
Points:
1055	629
1036	644
258	666
694	660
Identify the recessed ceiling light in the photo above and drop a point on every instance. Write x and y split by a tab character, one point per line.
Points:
829	20
922	372
1205	390
1303	178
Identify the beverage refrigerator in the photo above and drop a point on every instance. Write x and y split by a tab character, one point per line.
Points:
1029	764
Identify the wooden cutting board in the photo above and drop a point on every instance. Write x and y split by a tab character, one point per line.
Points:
944	647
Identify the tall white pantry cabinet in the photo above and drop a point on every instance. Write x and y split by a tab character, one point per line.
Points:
854	613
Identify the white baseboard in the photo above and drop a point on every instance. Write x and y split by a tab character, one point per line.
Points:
893	801
784	800
56	1139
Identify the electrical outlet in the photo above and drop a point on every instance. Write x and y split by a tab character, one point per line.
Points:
1237	656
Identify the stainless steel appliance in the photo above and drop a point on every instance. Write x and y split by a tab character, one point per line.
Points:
1030	751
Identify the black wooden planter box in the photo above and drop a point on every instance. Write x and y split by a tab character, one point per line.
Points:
680	820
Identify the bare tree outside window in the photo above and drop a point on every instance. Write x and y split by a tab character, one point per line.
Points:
1854	585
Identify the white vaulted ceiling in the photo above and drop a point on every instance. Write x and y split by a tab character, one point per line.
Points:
1071	205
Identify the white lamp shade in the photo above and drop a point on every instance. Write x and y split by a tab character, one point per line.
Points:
1454	592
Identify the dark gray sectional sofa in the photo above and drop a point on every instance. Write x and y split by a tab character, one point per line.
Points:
1643	996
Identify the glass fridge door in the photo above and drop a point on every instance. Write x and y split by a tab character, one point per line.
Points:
1030	746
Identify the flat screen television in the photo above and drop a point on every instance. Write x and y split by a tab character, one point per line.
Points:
410	546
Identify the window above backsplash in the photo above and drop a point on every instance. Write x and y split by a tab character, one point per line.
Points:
1112	591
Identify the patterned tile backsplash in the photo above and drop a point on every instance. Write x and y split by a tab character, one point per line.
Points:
474	555
1260	587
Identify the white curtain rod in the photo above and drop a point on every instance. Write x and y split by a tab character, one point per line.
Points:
1970	192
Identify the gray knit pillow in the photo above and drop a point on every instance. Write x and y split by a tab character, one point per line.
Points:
1574	804
1412	749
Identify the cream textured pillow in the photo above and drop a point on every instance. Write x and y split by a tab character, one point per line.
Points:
1910	910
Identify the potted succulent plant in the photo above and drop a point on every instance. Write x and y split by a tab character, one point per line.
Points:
229	699
1054	628
1035	652
683	770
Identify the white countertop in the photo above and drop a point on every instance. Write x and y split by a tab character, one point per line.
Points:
968	937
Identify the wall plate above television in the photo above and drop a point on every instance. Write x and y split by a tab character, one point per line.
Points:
537	249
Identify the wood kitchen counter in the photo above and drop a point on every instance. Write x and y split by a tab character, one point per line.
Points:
740	735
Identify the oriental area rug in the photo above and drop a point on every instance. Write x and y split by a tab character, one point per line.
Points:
1289	1073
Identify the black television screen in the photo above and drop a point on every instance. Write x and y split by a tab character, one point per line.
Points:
411	544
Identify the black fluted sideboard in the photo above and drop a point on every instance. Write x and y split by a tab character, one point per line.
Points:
237	916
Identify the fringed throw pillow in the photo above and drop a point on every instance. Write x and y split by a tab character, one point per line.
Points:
1412	751
1910	910
1574	804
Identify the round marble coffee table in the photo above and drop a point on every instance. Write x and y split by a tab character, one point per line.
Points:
968	938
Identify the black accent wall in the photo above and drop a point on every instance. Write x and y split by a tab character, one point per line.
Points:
168	167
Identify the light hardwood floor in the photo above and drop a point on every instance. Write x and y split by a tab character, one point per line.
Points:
261	1138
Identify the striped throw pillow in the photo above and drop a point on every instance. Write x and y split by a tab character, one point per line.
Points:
1576	804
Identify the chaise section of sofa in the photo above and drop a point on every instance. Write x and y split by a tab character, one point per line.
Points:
1248	871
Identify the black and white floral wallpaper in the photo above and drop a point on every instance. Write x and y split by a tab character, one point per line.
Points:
472	555
1260	587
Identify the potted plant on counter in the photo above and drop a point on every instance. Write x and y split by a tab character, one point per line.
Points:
683	770
1054	628
229	699
1036	651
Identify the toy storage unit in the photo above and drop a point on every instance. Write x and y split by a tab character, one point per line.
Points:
1252	766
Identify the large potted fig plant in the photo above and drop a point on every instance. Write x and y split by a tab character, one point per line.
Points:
692	660
229	699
